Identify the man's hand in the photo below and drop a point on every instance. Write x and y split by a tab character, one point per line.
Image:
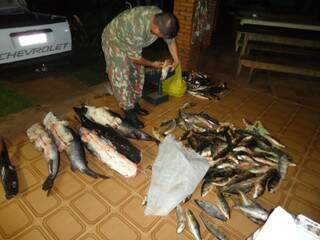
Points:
157	64
173	66
145	62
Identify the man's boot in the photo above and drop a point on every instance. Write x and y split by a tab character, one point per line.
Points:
140	111
132	119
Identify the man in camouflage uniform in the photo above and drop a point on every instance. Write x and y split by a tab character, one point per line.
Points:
122	42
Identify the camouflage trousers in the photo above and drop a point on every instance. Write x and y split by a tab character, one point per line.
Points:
126	78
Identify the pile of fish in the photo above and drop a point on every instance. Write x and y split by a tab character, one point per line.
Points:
243	162
103	132
8	173
54	136
200	86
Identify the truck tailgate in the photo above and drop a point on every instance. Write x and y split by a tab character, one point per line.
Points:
27	42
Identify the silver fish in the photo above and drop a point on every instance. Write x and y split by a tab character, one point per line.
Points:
214	230
199	95
181	219
222	182
211	209
274	142
259	169
223	204
156	133
171	128
187	105
254	211
193	225
206	187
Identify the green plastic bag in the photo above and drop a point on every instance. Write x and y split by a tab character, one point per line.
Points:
175	85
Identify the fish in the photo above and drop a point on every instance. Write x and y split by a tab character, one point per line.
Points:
245	201
254	211
181	219
193	225
283	168
184	136
209	118
9	177
265	161
45	144
210	209
221	182
242	149
104	116
156	133
104	150
199	95
259	169
171	128
206	187
274	181
214	230
260	186
213	173
274	142
69	141
122	144
223	204
227	165
248	202
187	105
165	69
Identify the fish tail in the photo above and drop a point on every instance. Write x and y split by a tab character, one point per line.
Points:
94	174
48	183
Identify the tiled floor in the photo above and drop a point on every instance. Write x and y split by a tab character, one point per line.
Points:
84	208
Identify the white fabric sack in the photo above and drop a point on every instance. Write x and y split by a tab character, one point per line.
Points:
176	173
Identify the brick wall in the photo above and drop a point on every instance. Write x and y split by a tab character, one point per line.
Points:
190	54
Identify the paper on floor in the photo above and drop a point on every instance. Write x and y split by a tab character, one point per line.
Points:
283	225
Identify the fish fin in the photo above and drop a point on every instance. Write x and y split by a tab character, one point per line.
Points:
48	184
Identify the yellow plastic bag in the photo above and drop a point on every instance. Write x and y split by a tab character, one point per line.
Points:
175	85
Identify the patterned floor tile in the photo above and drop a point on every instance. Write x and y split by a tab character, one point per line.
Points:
90	207
81	207
35	232
15	218
63	224
112	191
66	185
39	202
115	226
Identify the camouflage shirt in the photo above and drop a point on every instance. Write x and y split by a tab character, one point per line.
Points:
130	30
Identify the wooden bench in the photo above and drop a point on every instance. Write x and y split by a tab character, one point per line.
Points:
283	45
279	64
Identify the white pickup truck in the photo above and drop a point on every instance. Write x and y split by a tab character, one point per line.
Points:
27	35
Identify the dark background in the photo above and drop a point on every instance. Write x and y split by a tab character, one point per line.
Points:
95	14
